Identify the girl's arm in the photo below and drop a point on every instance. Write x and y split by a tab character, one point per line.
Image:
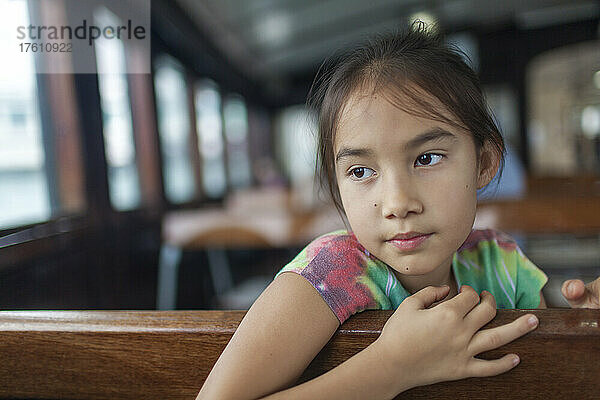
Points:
279	336
289	323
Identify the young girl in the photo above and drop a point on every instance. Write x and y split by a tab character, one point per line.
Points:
405	141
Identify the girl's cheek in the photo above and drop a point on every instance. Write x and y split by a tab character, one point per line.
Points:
358	204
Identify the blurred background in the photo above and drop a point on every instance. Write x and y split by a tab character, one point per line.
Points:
191	186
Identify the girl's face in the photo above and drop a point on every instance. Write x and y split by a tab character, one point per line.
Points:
402	176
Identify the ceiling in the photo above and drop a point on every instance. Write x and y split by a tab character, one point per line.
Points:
275	39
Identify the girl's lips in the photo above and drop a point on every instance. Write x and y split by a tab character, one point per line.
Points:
409	244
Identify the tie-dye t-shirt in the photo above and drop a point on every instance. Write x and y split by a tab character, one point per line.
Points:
351	280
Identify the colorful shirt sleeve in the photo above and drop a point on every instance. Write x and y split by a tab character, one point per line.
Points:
335	265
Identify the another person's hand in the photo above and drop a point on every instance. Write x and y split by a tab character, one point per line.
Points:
428	345
580	295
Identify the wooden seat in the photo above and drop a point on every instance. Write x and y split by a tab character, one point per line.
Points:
216	230
214	238
168	354
228	237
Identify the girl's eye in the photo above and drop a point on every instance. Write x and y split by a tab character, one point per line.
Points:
428	159
361	173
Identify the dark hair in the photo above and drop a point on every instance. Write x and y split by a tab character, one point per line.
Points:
409	62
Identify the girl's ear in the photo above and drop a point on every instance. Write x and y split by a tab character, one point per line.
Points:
489	162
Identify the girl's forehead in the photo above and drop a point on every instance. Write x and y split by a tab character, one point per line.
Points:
363	113
408	98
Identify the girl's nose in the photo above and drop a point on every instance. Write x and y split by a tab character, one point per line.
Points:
399	200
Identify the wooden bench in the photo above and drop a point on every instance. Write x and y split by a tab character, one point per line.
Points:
168	354
542	215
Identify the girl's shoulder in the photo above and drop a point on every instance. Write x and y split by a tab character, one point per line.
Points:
342	271
492	260
340	242
337	249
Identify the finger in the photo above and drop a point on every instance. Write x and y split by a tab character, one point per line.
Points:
488	339
480	368
427	296
573	290
464	301
582	296
483	312
593	294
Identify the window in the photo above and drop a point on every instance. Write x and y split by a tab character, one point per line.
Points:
123	181
297	152
236	132
24	194
207	102
174	130
564	104
297	147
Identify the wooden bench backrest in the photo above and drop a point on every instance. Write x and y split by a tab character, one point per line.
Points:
168	354
545	215
563	186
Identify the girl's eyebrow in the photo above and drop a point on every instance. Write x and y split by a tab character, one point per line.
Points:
348	152
431	135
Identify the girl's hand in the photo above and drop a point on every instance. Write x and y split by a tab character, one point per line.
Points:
582	296
440	343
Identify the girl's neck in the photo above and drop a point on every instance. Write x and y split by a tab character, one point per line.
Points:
439	277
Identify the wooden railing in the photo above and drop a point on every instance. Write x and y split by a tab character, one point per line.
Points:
168	354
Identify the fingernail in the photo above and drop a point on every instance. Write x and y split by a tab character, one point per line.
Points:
532	321
515	360
571	288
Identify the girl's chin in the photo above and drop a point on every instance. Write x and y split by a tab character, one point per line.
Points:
409	264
